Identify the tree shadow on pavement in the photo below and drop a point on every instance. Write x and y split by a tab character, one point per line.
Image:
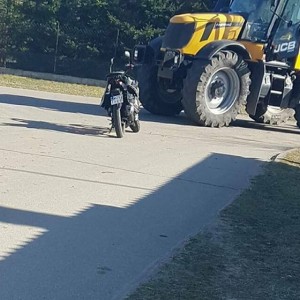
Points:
96	110
55	105
85	108
101	252
72	128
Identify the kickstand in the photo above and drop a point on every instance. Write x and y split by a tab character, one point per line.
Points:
111	128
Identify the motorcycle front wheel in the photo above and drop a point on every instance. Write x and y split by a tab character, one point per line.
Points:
117	121
135	126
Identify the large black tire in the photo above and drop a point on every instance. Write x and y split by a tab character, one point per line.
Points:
153	96
271	115
214	93
297	115
117	122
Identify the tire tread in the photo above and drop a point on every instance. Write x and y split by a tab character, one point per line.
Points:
195	106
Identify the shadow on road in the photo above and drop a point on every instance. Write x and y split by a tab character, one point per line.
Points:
281	128
55	105
84	108
180	119
102	251
72	128
94	109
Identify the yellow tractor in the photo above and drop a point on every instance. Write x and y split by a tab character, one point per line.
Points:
245	54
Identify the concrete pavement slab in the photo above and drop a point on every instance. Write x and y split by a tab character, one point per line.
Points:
84	215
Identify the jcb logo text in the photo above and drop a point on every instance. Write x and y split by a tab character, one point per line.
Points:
285	47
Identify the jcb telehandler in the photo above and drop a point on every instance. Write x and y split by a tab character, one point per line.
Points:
245	53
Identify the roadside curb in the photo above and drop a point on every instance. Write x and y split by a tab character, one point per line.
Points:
53	77
282	155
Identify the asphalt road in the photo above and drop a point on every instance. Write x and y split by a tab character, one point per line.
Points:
84	215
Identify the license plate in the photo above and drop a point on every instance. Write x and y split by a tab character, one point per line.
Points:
116	99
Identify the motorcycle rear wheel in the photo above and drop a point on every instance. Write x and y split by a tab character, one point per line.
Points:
117	121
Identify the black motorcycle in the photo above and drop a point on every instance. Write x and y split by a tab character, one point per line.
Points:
121	100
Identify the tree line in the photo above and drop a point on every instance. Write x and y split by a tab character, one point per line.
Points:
82	30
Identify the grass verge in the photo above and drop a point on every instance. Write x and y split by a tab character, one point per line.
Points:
253	252
50	86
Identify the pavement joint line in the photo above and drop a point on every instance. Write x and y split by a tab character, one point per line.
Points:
209	184
77	179
119	185
121	169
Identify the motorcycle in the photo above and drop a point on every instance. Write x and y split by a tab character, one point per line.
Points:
121	99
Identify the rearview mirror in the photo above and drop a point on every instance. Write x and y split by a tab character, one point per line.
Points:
111	64
274	4
127	54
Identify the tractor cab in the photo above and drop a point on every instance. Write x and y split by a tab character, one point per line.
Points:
286	38
273	24
258	16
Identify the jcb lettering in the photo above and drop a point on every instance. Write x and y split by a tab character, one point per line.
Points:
285	47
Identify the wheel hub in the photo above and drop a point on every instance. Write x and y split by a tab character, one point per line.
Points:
222	90
217	92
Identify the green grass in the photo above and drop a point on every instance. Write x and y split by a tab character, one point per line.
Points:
50	86
293	158
253	252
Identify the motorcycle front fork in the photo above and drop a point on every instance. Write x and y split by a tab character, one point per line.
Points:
131	116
